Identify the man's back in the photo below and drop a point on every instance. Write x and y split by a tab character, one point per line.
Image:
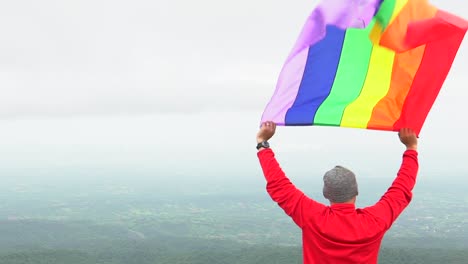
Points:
340	233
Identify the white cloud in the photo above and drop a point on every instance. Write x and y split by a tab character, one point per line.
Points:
116	57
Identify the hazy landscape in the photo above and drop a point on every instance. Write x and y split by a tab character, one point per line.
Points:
127	134
184	219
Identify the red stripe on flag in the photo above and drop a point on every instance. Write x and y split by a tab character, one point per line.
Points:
435	66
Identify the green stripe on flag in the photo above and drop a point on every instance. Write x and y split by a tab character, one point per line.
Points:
385	13
350	76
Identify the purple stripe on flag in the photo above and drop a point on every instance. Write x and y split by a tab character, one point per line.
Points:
288	86
343	14
340	13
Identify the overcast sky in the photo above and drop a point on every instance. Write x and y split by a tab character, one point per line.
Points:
179	86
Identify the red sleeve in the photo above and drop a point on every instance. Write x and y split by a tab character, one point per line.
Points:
399	195
293	201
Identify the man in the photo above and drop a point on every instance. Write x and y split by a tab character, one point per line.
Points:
339	233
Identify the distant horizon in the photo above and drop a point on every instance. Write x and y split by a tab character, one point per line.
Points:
128	134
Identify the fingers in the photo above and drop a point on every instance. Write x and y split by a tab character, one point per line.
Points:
268	128
273	126
408	138
269	125
405	132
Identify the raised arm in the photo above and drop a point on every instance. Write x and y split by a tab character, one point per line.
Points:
399	195
293	201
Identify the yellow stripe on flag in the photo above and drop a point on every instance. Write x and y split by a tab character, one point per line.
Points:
376	86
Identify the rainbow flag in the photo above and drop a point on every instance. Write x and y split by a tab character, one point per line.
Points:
371	64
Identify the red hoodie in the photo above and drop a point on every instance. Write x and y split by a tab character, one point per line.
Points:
340	233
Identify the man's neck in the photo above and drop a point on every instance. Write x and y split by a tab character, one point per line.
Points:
352	201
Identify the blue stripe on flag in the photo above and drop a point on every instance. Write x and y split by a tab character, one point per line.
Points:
319	75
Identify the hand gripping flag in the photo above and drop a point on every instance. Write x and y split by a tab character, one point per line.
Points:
371	64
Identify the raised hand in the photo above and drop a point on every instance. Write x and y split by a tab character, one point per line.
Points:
266	131
408	138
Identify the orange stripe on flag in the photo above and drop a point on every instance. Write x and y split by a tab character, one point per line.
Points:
406	65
